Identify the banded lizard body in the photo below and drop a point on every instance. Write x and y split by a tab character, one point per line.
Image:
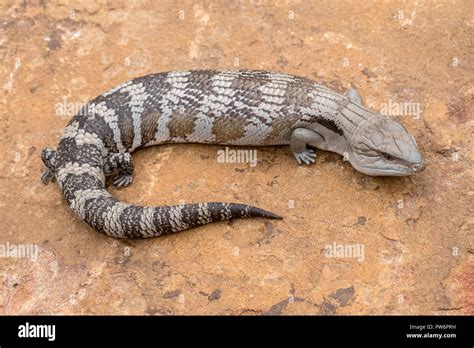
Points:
253	108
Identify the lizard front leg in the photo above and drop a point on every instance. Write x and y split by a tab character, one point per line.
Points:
300	138
120	164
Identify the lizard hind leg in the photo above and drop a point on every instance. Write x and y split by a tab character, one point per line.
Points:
48	156
120	164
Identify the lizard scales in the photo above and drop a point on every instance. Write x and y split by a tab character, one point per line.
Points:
242	107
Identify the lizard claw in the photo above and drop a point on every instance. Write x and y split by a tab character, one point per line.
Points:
123	180
308	156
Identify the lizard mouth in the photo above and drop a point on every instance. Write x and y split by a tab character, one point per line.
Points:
396	167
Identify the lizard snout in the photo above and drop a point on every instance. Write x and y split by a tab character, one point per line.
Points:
419	167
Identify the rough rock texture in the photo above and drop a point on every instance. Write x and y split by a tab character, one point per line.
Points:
416	232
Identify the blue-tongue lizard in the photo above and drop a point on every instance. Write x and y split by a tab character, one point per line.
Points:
245	108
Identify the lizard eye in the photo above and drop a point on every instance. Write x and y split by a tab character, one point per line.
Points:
387	156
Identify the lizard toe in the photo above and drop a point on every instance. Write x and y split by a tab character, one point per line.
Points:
307	157
123	180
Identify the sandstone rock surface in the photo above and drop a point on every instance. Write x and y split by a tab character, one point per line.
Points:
416	233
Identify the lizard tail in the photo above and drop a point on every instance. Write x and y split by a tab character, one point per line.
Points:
89	199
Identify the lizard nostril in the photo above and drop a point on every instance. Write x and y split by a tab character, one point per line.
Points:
419	167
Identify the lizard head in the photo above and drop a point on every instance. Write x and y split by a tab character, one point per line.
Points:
385	147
